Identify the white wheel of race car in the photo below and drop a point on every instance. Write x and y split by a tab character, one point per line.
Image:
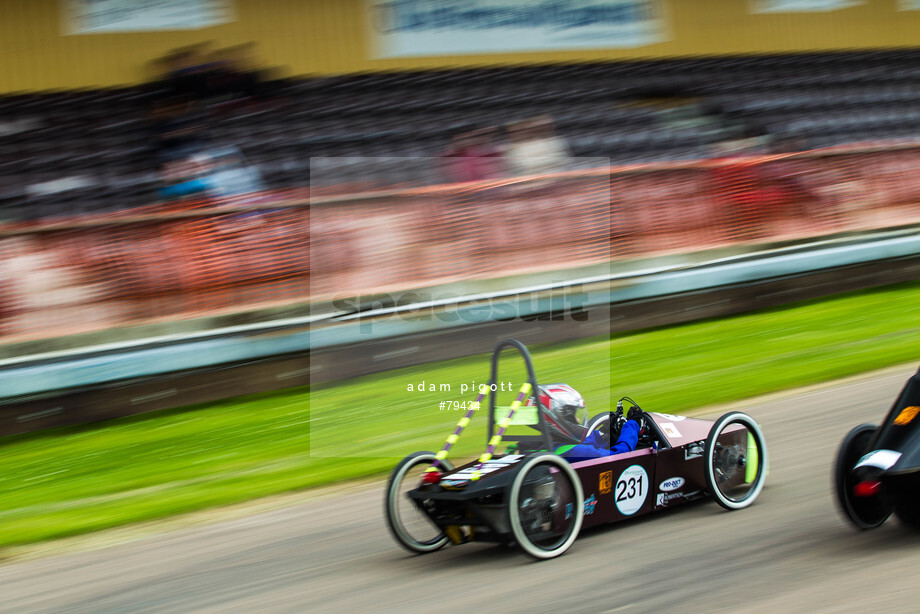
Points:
735	461
410	526
545	506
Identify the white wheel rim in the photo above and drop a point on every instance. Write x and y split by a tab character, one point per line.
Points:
751	496
394	518
514	514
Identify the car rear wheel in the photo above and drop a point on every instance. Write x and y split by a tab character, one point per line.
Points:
545	506
864	512
409	524
735	459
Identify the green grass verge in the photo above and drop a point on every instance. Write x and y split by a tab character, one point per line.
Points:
79	479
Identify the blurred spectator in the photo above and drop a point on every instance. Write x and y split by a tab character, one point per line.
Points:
230	80
535	148
201	74
199	81
186	178
229	175
177	129
249	77
220	173
188	70
474	155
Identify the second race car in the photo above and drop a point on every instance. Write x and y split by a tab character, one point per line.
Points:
877	471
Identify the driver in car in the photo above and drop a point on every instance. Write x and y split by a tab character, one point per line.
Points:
566	417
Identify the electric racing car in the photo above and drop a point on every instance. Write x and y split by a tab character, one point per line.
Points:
877	471
532	497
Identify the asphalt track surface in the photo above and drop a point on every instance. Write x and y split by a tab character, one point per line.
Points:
789	552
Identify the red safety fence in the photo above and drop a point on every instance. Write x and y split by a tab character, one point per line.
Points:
376	242
203	258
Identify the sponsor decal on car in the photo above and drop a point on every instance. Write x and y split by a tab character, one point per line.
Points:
667	498
671	484
670	430
907	414
670	417
880	459
487	467
463	477
589	505
631	490
605	482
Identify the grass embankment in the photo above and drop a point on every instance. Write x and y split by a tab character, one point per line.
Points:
79	479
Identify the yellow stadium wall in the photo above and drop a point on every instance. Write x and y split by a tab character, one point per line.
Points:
331	37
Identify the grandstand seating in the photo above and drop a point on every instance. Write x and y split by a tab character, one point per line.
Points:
67	152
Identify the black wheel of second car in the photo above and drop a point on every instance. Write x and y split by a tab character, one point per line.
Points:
545	506
863	512
908	512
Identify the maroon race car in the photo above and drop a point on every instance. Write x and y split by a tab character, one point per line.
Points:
533	497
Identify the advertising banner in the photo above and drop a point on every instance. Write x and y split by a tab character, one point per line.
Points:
108	16
801	6
402	28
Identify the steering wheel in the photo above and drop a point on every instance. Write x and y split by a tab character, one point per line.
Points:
600	423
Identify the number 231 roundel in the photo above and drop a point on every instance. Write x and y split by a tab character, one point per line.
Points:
631	490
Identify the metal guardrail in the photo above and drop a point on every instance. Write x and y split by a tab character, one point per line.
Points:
101	364
347	328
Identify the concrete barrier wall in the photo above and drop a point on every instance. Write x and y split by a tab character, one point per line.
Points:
112	399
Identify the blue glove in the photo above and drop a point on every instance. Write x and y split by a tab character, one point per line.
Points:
629	438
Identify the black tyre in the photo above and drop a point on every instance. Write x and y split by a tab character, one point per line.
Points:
735	460
545	506
864	512
409	524
908	512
